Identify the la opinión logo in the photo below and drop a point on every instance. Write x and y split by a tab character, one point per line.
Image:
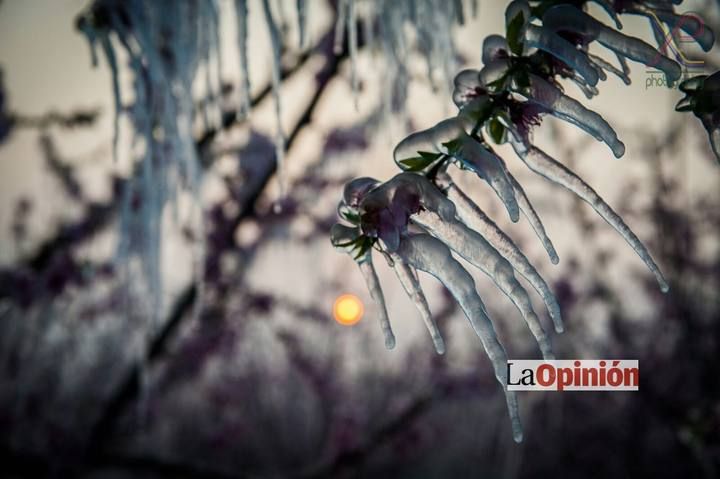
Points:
573	375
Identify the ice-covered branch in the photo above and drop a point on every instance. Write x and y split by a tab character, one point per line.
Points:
545	42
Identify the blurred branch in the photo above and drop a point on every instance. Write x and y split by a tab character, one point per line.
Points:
74	119
353	458
232	117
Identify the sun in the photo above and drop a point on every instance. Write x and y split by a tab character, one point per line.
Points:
348	309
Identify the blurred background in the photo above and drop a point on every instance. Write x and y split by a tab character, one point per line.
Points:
246	373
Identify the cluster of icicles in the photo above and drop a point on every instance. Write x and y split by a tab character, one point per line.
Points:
166	45
419	218
171	45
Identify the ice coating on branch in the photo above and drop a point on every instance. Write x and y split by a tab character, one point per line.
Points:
546	40
494	47
476	250
241	12
470	214
449	138
411	285
373	284
467	87
541	163
492	74
385	210
518	85
279	134
570	19
357	189
428	254
570	110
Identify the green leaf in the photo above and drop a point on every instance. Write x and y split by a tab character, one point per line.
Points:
496	130
692	84
478	113
453	145
522	79
349	214
362	246
686	104
419	163
497	85
513	31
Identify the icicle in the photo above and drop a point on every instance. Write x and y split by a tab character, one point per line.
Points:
352	41
470	214
589	91
529	212
279	134
459	13
340	24
84	24
117	98
570	110
481	160
367	23
623	74
569	18
302	23
282	15
241	12
426	41
407	278
373	284
541	163
552	43
476	250
610	10
428	254
623	65
214	87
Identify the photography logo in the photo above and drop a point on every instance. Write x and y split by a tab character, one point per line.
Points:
688	27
